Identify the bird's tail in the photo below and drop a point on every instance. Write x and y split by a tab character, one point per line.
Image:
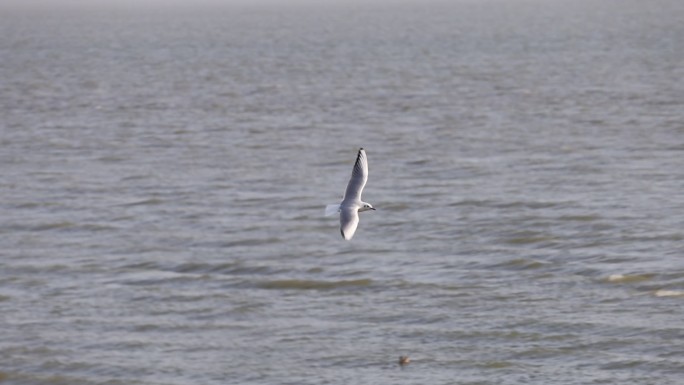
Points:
332	209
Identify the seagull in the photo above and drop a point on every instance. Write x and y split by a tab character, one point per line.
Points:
351	204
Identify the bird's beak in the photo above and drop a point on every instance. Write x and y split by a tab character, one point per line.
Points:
373	208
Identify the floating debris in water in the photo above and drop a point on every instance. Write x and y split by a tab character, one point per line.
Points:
404	360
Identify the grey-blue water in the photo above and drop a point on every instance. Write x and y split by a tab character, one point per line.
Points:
164	174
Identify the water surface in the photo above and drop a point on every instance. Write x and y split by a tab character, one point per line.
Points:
164	178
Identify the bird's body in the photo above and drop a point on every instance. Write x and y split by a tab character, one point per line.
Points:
351	204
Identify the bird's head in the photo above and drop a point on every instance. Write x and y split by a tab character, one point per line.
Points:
366	206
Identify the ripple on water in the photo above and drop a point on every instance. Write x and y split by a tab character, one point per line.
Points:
298	284
522	264
531	237
669	293
629	278
222	268
144	202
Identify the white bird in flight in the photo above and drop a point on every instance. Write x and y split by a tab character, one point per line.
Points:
352	204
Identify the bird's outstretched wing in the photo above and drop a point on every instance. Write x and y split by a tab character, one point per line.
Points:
358	178
349	221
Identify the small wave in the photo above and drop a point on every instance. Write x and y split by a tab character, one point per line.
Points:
158	278
297	284
146	202
396	207
94	227
33	205
529	238
251	242
522	264
473	202
54	226
59	226
629	278
497	364
669	293
228	268
111	159
508	204
580	218
201	268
